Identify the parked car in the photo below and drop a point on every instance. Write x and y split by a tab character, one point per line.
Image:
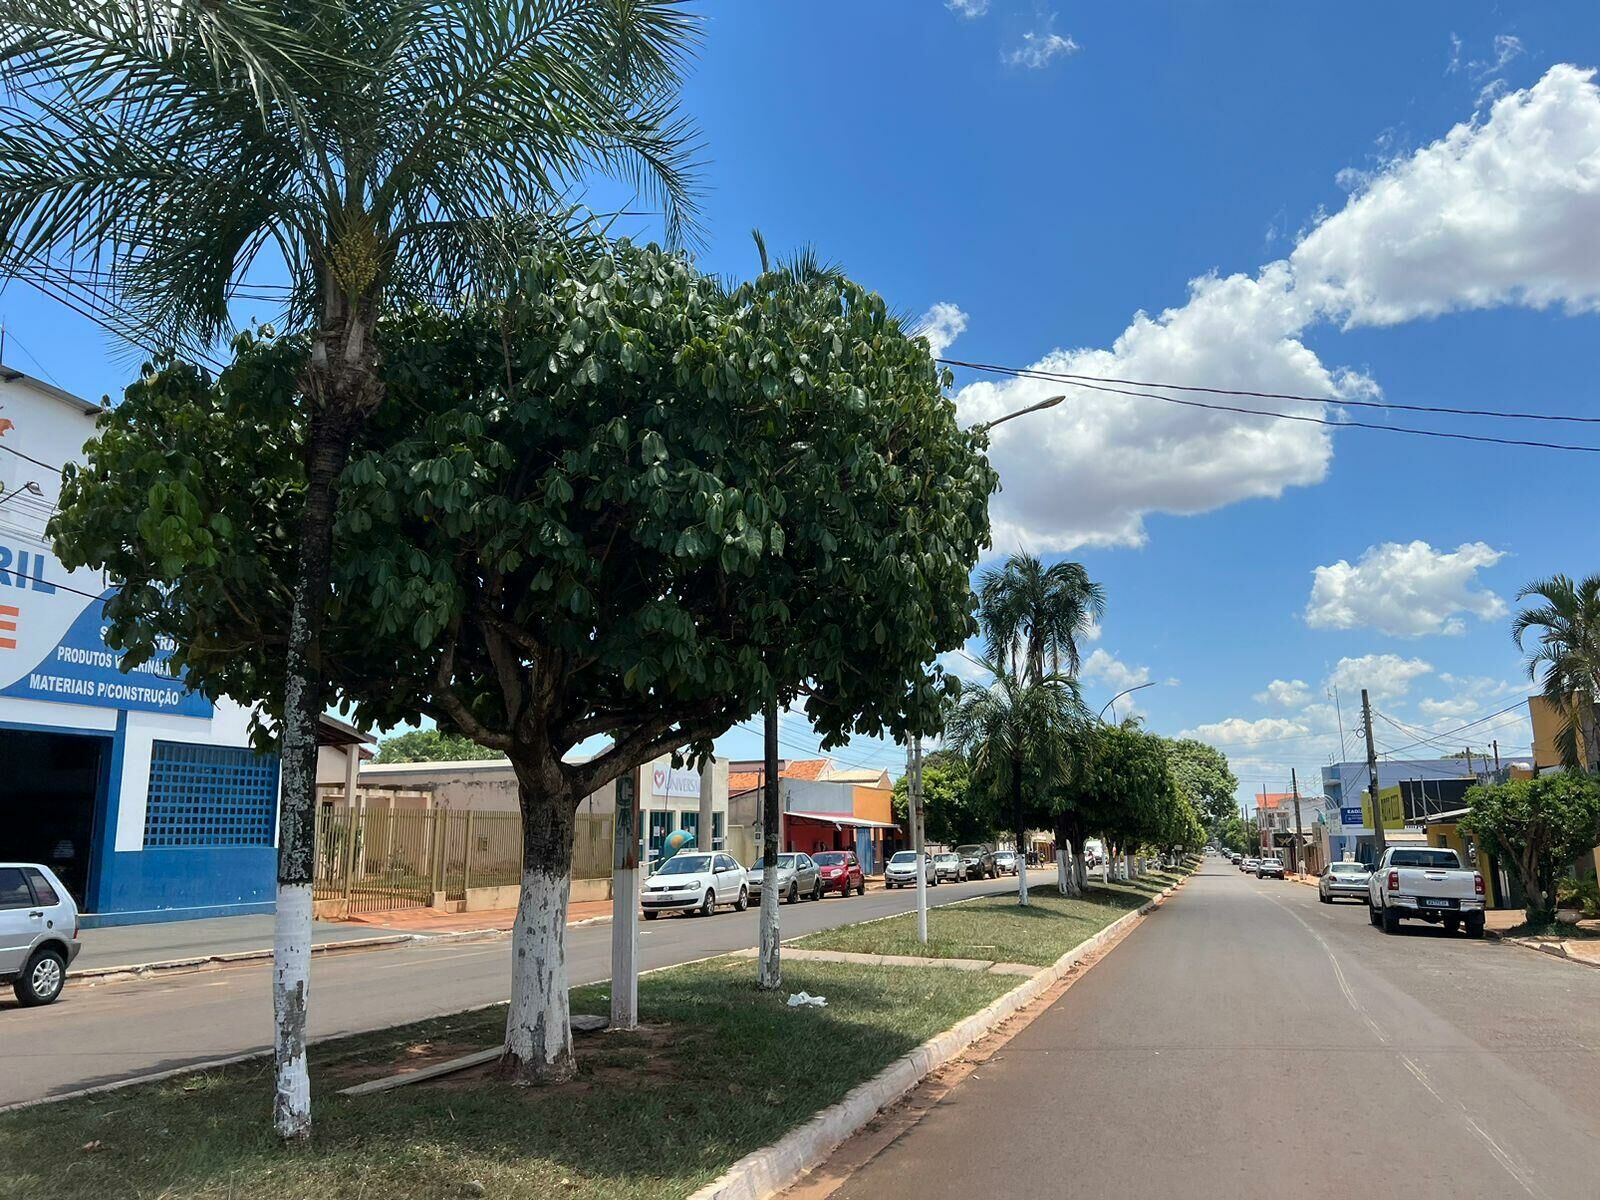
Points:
1250	864
1425	883
902	869
841	871
1237	860
797	876
38	932
979	861
1005	862
695	882
1269	866
1344	879
949	866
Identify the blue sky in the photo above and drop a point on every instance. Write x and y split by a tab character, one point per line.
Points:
1052	171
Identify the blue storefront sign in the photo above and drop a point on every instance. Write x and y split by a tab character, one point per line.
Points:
1350	816
77	667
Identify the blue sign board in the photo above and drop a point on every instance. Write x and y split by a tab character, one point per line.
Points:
79	668
1351	816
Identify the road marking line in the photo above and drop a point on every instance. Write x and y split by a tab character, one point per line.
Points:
1512	1167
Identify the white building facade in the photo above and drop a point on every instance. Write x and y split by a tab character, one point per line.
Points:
146	799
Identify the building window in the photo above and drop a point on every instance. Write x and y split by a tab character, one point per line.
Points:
210	796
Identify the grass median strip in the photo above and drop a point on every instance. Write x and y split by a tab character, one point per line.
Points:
996	927
720	1070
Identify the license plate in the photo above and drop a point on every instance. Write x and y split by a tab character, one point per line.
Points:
1429	902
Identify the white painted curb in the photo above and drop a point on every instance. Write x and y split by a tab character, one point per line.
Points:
769	1170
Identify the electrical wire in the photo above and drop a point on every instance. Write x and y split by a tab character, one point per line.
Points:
1462	728
1028	373
1327	400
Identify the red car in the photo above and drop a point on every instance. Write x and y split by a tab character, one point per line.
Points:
840	871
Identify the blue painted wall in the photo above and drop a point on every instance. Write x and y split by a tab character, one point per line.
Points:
181	883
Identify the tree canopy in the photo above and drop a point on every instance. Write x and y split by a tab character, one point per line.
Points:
954	812
1539	826
431	745
1203	777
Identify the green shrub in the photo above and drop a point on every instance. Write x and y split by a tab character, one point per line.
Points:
1582	894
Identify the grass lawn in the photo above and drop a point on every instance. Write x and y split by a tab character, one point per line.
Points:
996	927
722	1070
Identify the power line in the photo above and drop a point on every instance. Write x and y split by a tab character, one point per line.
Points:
1463	728
1028	373
29	458
1327	400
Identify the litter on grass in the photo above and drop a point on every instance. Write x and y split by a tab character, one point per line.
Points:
802	999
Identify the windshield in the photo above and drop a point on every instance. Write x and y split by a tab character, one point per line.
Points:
1425	858
905	856
944	858
785	862
1344	868
970	851
831	859
687	864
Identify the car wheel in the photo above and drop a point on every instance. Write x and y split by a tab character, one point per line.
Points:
861	888
709	904
650	914
743	902
794	894
1391	922
936	880
816	890
42	980
1372	914
1475	925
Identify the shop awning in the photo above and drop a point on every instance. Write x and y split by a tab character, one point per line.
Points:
842	820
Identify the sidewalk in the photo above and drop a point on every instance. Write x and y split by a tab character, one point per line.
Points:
178	941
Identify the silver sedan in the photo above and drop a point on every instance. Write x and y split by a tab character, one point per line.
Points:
797	876
1343	879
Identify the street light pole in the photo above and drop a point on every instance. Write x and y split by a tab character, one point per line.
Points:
1125	692
985	426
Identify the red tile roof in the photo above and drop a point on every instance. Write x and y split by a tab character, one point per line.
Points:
804	768
743	781
1271	800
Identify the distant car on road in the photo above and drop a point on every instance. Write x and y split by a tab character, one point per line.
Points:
1344	879
979	861
1005	862
695	882
798	877
949	866
902	870
1269	866
1250	864
1237	860
38	932
1425	883
841	871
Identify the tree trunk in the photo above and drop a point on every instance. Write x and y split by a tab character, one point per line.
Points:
1021	833
1080	869
328	448
538	1027
769	971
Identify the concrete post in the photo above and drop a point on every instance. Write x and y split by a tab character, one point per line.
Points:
704	836
625	905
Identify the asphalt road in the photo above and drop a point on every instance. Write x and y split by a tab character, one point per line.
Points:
1246	1041
108	1032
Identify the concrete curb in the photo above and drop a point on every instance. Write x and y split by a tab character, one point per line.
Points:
767	1171
1553	949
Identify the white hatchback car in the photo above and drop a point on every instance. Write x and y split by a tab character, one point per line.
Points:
38	932
695	881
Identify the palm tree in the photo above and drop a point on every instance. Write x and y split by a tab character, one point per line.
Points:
384	153
1016	735
1568	624
1039	612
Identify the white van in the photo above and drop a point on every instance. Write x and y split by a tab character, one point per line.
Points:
38	932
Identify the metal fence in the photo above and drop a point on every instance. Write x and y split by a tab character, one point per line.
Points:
377	860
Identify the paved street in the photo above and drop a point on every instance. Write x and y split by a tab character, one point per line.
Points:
1247	1041
98	1034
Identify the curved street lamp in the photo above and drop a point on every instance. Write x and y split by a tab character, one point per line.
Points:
1125	692
1048	402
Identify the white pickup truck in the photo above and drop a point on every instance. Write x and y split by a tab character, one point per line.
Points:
1425	883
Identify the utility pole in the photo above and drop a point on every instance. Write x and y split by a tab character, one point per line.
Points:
914	795
1496	745
770	975
704	839
625	904
1379	842
1299	832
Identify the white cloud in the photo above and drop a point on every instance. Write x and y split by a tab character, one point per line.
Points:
1497	212
1285	693
1405	590
1385	676
967	8
1237	731
1112	671
1040	47
1500	211
942	324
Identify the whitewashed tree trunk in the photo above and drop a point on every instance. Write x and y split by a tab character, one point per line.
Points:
1022	880
1130	867
538	1027
538	1045
770	974
1063	879
1080	869
291	990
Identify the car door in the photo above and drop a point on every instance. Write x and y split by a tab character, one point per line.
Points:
805	874
727	875
19	925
